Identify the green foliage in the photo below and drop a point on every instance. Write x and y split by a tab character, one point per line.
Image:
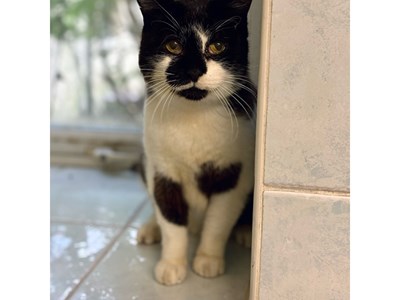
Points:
81	18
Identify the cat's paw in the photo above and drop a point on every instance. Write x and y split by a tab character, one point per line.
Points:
149	234
208	266
170	273
242	235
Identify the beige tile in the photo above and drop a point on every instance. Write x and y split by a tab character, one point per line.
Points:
307	139
305	247
92	196
74	249
127	273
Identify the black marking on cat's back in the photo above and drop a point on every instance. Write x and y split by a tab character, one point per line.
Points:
169	198
213	180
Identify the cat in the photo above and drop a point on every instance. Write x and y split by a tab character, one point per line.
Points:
199	129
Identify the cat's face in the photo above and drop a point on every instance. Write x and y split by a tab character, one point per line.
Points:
194	49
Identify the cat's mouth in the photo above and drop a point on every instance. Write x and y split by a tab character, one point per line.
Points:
193	93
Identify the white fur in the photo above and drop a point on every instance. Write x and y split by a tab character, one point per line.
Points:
203	38
179	136
171	269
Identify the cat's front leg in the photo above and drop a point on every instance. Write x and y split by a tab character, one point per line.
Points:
172	217
222	214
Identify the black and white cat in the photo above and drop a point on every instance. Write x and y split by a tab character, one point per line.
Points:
199	129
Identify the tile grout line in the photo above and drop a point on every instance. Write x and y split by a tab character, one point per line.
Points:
107	249
305	190
84	223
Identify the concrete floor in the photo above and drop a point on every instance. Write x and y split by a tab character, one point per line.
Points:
94	255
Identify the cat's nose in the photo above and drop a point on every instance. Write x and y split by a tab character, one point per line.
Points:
194	74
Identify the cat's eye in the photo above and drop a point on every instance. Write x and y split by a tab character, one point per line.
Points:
216	48
174	47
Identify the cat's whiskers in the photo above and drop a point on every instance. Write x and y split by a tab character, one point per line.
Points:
158	105
217	111
164	101
169	96
166	23
157	79
155	72
244	102
165	87
155	76
220	25
167	101
245	87
155	86
237	98
236	81
219	97
231	113
169	16
226	108
154	96
151	83
234	116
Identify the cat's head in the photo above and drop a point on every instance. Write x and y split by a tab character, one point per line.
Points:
194	48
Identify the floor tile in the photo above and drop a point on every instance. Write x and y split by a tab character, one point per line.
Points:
74	248
127	273
306	253
307	131
92	196
144	214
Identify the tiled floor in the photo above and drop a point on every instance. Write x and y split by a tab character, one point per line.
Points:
94	254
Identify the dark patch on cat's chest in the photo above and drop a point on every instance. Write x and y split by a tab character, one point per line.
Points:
213	180
169	198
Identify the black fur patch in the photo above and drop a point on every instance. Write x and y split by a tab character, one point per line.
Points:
193	93
213	180
246	218
169	198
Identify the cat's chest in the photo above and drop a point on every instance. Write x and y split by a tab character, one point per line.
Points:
193	134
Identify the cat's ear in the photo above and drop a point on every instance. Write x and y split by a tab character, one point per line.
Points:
242	6
147	5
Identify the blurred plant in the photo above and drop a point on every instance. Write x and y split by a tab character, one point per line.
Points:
91	21
77	18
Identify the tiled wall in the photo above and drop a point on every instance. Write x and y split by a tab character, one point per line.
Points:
304	215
